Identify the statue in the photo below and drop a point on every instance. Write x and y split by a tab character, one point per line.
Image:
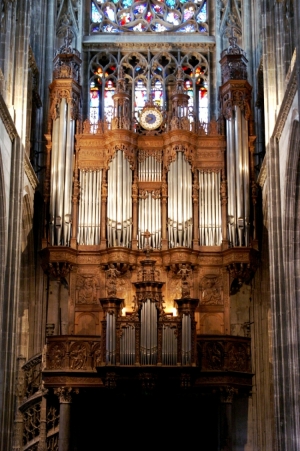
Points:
111	280
185	273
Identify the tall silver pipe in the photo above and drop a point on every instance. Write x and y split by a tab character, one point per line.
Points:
246	177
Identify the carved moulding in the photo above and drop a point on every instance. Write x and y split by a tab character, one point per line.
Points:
236	93
64	89
241	264
178	256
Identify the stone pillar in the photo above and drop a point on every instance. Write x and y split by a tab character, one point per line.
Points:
226	398
65	400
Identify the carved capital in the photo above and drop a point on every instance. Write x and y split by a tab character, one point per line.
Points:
57	270
65	394
227	393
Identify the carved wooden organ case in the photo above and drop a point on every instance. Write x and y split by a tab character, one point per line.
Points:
147	231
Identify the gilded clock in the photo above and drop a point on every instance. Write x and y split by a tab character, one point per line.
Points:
150	118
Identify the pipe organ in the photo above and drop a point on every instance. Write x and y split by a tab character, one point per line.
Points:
119	202
180	217
236	98
61	174
210	216
89	217
153	218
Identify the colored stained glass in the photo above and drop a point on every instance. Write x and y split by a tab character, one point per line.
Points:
183	16
202	16
96	16
173	18
171	3
124	18
127	3
188	13
139	9
109	13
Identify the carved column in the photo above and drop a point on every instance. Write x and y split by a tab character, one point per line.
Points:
135	196
103	211
196	212
65	400
43	425
226	398
164	199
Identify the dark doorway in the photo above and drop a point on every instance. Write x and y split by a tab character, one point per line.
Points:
105	418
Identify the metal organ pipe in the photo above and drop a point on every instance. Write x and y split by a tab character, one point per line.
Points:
89	216
149	215
61	176
119	202
180	209
210	224
169	346
110	338
127	346
238	178
148	333
186	339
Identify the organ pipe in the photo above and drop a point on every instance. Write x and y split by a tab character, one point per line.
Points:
186	340
61	175
148	333
210	217
238	178
169	346
119	202
150	219
89	216
180	208
127	346
110	338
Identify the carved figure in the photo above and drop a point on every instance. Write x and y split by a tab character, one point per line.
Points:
78	356
185	272
87	292
211	294
111	280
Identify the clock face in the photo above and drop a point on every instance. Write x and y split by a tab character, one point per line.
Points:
150	118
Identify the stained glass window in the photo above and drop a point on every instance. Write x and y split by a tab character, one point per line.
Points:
148	76
119	16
